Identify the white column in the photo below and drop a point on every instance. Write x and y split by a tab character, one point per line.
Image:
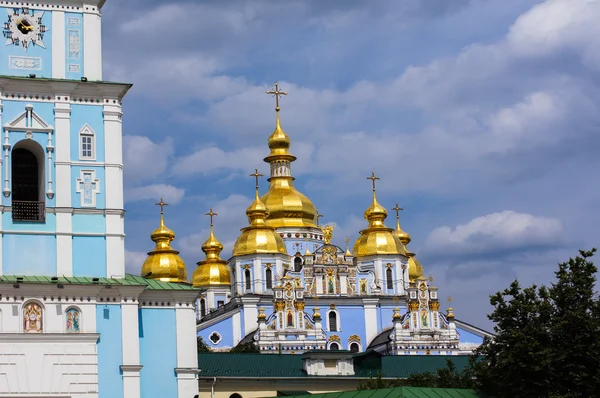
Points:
250	314
92	42
59	51
64	244
115	246
343	284
236	322
187	354
113	155
370	319
62	138
257	276
131	349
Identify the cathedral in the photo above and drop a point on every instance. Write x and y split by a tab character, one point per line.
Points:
288	289
72	322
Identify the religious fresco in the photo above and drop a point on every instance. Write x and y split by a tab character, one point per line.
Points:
32	318
73	316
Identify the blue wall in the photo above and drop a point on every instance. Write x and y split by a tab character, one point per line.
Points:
158	352
95	223
29	255
39	58
224	328
89	256
110	351
74	45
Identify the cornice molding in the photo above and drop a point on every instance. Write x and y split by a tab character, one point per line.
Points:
92	91
65	338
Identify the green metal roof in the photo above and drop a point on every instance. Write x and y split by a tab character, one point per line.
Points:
129	280
398	392
366	365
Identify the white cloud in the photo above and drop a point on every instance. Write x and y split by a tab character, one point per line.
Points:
144	159
134	262
169	193
499	234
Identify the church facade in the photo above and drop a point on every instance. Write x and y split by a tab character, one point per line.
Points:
72	323
288	289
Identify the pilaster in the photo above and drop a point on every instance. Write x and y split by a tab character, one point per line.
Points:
370	306
257	276
131	349
250	313
115	246
58	45
92	42
62	137
236	321
187	357
113	154
64	244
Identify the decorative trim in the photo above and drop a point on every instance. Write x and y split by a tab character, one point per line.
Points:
218	338
50	337
87	131
88	186
131	368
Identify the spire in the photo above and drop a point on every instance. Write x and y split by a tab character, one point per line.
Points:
376	213
163	263
213	269
279	142
347	247
403	236
212	247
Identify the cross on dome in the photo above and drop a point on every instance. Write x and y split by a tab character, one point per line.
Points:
256	175
319	215
373	178
162	205
211	214
398	209
276	93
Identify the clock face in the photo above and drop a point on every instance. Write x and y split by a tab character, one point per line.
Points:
24	28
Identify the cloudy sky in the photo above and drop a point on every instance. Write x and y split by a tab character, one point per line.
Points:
480	116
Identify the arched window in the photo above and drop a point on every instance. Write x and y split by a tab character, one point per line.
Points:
269	278
248	279
202	308
27	165
354	347
334	347
389	276
33	319
333	321
297	264
235	395
73	320
87	147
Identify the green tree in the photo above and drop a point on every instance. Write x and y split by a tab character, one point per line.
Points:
201	345
248	347
547	339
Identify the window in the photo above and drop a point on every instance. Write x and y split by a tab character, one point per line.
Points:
333	321
73	320
235	395
220	303
248	280
215	338
297	264
390	278
334	347
354	347
269	278
202	308
28	176
87	150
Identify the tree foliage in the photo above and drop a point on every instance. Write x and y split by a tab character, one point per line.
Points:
547	341
201	344
448	377
248	347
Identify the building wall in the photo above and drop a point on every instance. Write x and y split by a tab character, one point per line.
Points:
110	351
158	352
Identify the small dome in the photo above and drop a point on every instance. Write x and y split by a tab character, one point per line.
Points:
212	271
279	142
164	263
377	239
258	237
415	269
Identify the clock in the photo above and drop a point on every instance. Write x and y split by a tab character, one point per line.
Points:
24	28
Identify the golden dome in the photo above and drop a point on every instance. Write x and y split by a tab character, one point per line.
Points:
403	236
287	206
163	263
258	237
415	269
377	239
212	271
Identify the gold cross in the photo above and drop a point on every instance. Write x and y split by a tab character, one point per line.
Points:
347	241
162	205
450	299
256	175
373	178
318	217
276	93
211	214
398	209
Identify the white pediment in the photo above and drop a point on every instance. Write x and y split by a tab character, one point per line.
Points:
29	121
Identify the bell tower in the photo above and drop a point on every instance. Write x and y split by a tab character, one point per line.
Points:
61	166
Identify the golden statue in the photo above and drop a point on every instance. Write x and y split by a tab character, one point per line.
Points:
328	233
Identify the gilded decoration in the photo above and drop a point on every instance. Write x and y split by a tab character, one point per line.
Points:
434	305
354	337
299	305
32	318
328	233
334	337
163	263
413	305
279	306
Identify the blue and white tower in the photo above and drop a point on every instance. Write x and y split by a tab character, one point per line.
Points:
72	323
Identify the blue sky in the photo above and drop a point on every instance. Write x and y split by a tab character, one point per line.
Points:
480	116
